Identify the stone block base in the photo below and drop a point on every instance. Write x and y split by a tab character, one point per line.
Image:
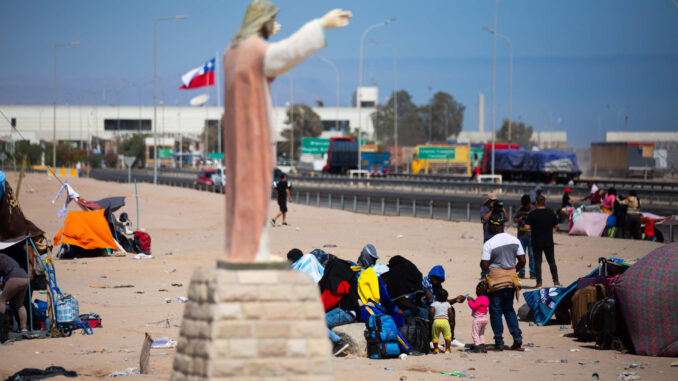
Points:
253	325
354	336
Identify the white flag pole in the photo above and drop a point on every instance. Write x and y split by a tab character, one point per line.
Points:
217	85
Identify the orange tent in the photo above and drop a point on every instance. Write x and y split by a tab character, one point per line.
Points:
88	230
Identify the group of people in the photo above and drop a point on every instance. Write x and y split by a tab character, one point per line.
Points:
353	291
627	221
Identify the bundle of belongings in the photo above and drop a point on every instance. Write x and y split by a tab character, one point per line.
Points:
591	221
625	305
96	230
362	289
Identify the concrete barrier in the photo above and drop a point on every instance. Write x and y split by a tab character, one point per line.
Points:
354	336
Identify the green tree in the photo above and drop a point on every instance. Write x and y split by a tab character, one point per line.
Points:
519	132
306	123
213	135
448	116
410	131
33	152
133	146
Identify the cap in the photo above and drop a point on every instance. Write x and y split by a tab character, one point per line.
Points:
370	250
568	190
492	196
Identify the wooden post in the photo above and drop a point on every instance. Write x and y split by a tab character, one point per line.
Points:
144	366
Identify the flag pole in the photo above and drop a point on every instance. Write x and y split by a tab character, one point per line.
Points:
216	85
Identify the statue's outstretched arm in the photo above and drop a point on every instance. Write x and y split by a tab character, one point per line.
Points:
283	55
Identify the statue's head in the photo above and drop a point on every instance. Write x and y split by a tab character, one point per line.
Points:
259	20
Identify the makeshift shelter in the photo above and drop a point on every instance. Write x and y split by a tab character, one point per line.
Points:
88	230
648	298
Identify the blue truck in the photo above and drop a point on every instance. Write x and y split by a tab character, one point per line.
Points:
342	155
545	166
377	163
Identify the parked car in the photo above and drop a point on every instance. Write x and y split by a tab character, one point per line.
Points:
205	177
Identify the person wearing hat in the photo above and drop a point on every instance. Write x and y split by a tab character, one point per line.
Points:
486	210
368	256
502	257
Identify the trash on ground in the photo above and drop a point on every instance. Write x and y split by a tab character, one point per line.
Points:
182	299
388	368
163	342
674	364
628	376
143	256
168	253
595	376
163	290
168	300
403	356
575	350
126	372
634	365
399	236
329	245
177	284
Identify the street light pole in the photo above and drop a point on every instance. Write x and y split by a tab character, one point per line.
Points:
395	99
510	99
430	111
54	139
155	97
360	83
291	120
336	121
494	75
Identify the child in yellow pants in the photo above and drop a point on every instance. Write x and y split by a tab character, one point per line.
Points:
439	315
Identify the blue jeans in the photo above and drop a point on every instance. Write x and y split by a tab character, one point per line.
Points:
337	317
527	248
501	303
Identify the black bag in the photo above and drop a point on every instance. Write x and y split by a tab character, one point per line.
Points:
581	329
606	325
417	333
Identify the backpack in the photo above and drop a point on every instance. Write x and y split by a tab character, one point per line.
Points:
606	325
417	333
581	329
142	242
582	298
382	337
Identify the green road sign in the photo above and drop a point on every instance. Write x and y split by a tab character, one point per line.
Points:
476	154
165	153
314	146
436	153
216	155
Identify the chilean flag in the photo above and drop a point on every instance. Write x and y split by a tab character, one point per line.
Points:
199	77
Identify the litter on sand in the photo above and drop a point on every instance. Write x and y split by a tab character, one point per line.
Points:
126	372
628	376
182	299
163	342
143	256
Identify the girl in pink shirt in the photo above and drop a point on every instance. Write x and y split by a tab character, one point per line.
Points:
479	307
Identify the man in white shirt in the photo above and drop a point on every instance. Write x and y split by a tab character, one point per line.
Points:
503	256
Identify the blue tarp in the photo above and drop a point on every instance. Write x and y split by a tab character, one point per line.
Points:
543	302
536	161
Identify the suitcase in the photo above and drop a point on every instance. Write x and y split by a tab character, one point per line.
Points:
582	298
418	334
605	323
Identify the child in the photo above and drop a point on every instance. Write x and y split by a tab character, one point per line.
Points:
479	307
440	314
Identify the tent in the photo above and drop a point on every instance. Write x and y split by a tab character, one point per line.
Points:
648	298
88	230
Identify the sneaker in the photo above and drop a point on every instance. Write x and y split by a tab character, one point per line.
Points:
478	349
532	276
447	351
557	284
339	347
538	285
458	343
272	222
521	276
516	345
436	350
284	223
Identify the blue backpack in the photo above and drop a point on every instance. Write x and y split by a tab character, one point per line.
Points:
382	337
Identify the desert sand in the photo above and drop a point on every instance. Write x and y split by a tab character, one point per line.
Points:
186	227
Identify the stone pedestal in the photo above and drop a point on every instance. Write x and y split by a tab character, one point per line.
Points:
253	324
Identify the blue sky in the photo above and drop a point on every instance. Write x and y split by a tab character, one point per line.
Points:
574	61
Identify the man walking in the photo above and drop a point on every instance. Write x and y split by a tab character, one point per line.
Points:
502	257
283	192
541	222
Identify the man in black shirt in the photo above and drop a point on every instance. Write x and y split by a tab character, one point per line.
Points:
541	222
283	192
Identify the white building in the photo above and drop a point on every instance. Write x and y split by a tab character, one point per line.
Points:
80	123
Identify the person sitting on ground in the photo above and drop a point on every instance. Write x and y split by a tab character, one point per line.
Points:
441	319
499	257
306	263
479	307
294	255
368	256
432	283
14	286
339	294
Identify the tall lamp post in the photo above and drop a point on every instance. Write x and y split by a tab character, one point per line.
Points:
336	71
291	119
155	102
494	75
54	139
395	98
508	41
360	83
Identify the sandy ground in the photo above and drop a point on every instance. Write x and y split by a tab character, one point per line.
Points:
186	228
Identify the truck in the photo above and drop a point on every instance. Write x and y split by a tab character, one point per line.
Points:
377	163
543	166
342	155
